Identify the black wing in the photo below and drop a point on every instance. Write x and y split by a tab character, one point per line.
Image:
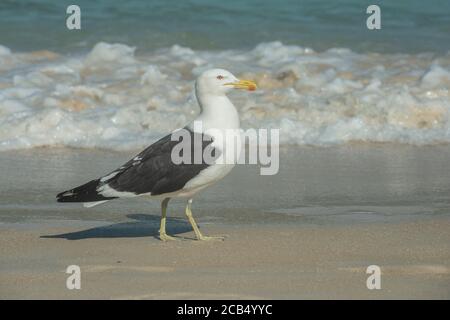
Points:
151	171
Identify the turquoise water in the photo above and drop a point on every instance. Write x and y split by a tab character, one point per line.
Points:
407	26
127	77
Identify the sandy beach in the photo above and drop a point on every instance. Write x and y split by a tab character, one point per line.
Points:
260	262
308	232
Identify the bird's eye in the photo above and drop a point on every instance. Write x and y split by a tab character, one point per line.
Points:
219	77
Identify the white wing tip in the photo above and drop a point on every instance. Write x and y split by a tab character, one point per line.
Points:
93	204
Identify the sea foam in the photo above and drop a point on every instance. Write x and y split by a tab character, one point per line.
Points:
116	98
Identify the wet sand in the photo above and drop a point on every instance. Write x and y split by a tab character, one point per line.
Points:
309	232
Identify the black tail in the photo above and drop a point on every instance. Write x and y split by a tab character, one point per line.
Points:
85	193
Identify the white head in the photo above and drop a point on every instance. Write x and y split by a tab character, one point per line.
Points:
219	82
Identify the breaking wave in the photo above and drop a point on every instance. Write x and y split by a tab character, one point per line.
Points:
113	98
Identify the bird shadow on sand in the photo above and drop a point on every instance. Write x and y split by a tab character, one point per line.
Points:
145	225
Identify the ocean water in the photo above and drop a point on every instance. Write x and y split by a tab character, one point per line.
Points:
127	77
407	25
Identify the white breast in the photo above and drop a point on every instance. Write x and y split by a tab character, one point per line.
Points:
220	120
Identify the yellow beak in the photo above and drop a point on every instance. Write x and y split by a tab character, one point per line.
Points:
243	84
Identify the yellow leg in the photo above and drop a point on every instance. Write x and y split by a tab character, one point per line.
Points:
198	234
162	230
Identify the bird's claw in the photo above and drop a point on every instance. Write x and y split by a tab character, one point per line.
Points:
166	237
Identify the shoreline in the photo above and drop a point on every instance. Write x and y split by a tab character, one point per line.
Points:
308	232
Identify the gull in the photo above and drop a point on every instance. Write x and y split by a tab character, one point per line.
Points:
153	173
